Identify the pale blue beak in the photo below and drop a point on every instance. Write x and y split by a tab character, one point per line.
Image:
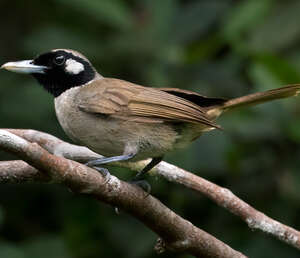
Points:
25	66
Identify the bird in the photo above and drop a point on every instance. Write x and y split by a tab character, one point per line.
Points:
124	121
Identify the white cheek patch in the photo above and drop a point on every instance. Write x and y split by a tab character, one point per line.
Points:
73	67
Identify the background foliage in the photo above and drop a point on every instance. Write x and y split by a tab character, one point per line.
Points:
219	48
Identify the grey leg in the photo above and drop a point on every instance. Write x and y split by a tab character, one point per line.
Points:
97	162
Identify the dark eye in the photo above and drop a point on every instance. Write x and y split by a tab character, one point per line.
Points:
59	60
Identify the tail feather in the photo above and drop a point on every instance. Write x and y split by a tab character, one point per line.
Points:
260	97
256	98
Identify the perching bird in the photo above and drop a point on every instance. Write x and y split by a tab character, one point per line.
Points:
125	121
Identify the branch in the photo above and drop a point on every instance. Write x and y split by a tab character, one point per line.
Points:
18	171
175	233
222	196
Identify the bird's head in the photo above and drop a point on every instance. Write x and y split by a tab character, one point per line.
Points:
57	70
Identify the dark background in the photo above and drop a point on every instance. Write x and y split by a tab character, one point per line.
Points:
218	48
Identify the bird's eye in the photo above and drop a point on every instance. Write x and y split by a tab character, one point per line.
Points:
59	60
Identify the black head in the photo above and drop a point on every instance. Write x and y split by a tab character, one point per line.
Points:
57	70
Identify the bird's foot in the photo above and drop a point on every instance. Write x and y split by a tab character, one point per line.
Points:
142	183
139	178
103	171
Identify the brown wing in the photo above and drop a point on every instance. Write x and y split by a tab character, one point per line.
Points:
130	101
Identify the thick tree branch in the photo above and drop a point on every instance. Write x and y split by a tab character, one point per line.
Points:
178	234
18	171
220	195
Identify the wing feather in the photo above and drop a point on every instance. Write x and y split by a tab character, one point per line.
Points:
130	101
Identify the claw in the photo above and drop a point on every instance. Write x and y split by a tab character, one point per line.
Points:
142	183
104	172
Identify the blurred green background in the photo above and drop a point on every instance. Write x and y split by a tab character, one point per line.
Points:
218	48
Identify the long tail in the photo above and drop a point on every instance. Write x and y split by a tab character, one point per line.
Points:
256	98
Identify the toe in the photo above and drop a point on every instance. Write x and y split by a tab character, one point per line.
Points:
142	184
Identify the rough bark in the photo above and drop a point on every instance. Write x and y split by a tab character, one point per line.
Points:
176	234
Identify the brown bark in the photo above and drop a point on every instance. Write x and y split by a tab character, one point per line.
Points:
18	171
178	234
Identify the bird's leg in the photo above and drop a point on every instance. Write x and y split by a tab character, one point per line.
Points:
96	162
139	178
